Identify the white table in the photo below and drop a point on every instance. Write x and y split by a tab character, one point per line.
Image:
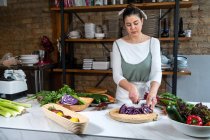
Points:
100	126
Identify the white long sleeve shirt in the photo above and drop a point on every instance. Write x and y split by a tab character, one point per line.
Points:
135	54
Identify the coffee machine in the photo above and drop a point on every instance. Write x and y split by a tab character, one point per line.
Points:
13	84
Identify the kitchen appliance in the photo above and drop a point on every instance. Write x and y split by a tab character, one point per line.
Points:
13	84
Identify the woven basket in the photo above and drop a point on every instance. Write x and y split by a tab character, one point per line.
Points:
74	127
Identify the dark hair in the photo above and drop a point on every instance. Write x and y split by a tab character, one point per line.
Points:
131	10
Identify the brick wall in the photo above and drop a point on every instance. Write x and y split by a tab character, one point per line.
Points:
22	23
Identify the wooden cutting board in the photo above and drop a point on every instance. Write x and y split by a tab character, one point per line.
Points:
139	118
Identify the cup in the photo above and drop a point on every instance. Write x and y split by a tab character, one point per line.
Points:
41	56
188	33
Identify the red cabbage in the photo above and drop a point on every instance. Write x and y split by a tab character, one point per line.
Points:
143	109
68	99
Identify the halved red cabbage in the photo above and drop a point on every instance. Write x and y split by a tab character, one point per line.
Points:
68	99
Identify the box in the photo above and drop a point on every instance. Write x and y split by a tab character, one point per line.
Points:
97	65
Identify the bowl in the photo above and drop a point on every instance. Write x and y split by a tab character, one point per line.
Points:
182	60
74	127
164	59
78	108
191	130
99	35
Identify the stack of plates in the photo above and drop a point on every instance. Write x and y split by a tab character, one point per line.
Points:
29	60
165	66
87	64
89	30
74	34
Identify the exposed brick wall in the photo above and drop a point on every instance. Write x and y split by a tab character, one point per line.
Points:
22	23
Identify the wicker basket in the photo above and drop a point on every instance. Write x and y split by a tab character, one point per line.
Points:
78	108
74	127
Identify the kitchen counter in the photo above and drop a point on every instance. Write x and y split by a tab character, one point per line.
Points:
34	124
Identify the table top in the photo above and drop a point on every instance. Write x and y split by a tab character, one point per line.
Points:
100	124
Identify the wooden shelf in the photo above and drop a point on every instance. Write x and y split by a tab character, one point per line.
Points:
110	71
113	39
156	5
84	71
172	39
186	72
91	40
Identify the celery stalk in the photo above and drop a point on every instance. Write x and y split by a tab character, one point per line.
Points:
12	106
12	112
5	113
16	103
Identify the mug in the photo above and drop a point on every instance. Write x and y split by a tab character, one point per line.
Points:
188	33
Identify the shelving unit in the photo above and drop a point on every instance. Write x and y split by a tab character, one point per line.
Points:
110	71
146	6
80	40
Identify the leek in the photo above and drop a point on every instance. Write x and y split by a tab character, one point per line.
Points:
5	113
16	103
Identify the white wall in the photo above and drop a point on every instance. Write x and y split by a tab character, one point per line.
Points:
195	87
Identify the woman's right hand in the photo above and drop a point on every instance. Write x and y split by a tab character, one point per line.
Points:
133	93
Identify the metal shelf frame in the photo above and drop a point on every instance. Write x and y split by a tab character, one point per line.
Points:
175	5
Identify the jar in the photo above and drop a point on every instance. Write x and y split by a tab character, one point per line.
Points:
113	2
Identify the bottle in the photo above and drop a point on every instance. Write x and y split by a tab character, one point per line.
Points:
165	32
105	2
181	31
113	2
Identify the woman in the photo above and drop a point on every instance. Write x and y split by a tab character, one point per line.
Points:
136	60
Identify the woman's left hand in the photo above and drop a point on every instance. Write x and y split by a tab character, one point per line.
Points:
151	100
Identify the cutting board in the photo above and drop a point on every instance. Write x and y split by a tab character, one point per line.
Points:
138	118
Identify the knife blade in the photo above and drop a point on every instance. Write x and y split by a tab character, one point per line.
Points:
138	103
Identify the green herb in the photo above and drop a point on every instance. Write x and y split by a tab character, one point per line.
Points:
45	97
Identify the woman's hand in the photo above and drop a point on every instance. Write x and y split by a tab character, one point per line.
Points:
151	100
133	93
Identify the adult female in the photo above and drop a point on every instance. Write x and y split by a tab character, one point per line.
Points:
136	60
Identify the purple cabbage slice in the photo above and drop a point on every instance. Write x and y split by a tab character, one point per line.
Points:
136	111
143	109
123	108
68	99
129	110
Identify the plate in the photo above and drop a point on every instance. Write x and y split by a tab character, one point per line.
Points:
138	118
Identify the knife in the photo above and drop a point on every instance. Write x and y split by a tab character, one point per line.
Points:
138	103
